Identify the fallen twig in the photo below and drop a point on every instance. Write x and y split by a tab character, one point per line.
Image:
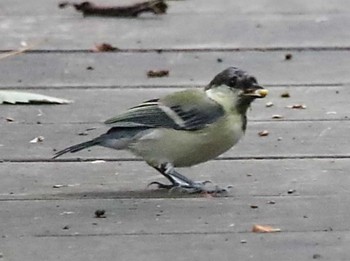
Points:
22	50
90	9
265	229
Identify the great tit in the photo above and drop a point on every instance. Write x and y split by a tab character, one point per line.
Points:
184	128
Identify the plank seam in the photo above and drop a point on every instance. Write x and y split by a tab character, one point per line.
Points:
345	119
185	233
78	159
164	86
136	195
176	50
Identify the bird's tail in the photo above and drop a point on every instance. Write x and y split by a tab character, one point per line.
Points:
77	147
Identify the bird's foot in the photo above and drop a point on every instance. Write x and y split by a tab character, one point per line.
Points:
194	188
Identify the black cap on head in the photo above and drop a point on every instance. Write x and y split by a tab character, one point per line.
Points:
234	78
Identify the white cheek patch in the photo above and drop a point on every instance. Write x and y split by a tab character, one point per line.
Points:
225	96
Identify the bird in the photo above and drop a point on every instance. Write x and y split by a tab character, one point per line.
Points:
183	128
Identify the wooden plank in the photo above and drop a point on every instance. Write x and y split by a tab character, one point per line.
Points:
185	68
171	216
172	31
260	7
221	247
94	104
286	139
111	180
47	7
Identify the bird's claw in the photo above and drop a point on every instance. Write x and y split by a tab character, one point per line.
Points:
161	185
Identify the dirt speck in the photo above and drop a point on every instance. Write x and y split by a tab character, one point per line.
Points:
288	56
100	213
157	73
285	94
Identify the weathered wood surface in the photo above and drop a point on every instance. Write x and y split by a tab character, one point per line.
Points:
295	24
295	139
95	105
68	70
298	7
47	218
107	180
301	167
208	246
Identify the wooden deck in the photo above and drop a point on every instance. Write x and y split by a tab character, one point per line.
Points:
296	179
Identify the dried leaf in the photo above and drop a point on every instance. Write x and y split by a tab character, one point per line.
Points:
277	116
264	229
156	7
14	97
285	95
58	186
263	133
37	139
269	104
157	73
297	106
104	47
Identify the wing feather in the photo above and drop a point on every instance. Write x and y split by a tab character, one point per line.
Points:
169	112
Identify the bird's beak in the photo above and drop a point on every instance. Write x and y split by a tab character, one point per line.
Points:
256	91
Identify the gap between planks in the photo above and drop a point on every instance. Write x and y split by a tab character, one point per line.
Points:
167	86
183	233
176	50
78	159
153	195
258	121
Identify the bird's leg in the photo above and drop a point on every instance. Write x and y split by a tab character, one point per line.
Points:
180	181
166	170
162	170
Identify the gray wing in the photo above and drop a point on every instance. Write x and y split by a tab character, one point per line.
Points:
192	113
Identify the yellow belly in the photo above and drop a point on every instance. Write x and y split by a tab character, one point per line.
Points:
187	148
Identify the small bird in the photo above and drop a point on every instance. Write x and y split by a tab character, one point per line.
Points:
184	128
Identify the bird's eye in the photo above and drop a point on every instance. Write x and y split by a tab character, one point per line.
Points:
253	79
233	81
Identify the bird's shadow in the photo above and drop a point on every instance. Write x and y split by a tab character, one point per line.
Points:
112	194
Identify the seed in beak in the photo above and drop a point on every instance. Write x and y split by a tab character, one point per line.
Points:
261	92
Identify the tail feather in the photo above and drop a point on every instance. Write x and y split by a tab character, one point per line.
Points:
77	147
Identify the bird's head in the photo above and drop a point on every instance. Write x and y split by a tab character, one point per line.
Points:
238	86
